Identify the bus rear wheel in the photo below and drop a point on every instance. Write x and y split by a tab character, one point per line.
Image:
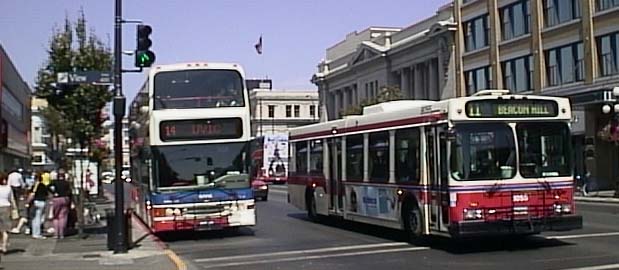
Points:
413	223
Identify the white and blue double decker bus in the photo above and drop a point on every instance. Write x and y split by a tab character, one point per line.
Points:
190	138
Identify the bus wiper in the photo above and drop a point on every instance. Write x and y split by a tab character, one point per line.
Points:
545	184
158	99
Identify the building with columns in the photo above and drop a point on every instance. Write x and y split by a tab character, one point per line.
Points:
551	47
417	59
275	111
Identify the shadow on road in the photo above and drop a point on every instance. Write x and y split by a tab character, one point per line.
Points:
453	246
205	235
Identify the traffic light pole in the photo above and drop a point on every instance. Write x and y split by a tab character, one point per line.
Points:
119	224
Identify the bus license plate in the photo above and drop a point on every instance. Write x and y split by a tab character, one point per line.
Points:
520	198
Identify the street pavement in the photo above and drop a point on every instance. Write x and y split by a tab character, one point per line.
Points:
88	252
285	239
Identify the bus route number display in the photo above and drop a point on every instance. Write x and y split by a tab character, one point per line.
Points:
200	129
511	108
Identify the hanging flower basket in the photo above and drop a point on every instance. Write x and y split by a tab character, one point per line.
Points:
609	133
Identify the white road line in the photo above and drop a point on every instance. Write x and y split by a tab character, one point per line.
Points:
306	251
597	267
314	257
278	191
559	237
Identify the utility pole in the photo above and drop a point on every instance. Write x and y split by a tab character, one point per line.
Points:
120	225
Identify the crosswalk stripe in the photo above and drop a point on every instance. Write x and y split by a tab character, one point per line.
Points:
559	237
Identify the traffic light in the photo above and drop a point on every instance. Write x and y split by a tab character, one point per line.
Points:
144	57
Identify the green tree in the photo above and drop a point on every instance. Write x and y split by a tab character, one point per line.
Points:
74	48
386	93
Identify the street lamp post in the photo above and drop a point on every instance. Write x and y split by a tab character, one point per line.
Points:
614	128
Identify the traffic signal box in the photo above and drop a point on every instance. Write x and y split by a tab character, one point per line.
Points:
144	57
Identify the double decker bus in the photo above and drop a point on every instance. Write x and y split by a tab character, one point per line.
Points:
489	164
189	136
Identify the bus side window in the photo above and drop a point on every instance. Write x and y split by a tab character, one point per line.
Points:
379	157
301	158
408	161
354	158
316	157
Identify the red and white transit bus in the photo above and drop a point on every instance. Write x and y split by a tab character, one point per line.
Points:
492	163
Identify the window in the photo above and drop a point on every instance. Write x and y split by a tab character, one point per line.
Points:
316	157
288	110
476	33
37	159
312	110
478	79
606	4
407	156
301	158
544	149
271	111
565	64
518	74
297	111
560	11
379	157
608	55
354	157
12	105
483	152
516	19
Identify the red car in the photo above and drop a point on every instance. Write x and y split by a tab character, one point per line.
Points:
261	189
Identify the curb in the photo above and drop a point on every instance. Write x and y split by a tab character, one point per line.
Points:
180	264
597	199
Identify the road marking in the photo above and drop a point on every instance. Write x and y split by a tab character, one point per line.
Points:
306	251
279	191
597	267
180	265
314	257
559	237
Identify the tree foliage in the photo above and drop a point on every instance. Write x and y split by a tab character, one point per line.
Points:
386	93
74	48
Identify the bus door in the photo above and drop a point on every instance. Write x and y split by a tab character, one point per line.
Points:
335	175
436	146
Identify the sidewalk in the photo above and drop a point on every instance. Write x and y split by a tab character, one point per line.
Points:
606	196
89	253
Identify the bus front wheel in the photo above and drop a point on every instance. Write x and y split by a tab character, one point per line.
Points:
413	222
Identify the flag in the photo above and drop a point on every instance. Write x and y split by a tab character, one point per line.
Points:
258	45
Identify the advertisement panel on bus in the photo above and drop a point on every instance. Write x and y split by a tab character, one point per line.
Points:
275	160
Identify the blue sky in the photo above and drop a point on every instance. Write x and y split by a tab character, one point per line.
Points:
295	33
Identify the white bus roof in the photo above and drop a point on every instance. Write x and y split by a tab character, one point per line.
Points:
392	114
197	65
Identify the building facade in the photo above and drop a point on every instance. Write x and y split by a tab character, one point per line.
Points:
41	140
551	47
15	94
417	59
275	111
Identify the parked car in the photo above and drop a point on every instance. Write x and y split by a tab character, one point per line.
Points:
261	189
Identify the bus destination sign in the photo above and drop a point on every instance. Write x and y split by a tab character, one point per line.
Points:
511	108
201	129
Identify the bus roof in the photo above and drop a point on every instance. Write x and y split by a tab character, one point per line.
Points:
393	114
197	65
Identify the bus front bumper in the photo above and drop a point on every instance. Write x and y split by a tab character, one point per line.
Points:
521	226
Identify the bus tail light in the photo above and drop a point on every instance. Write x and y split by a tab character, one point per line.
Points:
158	212
472	214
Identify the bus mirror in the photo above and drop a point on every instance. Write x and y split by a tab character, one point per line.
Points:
450	135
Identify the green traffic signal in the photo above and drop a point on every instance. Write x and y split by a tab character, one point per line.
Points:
143	56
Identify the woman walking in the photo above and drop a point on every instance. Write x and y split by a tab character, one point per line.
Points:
61	190
40	193
8	210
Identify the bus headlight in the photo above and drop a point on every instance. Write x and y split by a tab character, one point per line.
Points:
563	208
169	211
470	214
177	212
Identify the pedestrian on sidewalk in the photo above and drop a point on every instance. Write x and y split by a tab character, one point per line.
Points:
8	210
40	193
61	202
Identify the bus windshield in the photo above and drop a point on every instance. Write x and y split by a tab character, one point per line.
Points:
483	152
203	165
544	149
198	89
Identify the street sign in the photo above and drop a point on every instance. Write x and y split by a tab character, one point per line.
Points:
84	77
